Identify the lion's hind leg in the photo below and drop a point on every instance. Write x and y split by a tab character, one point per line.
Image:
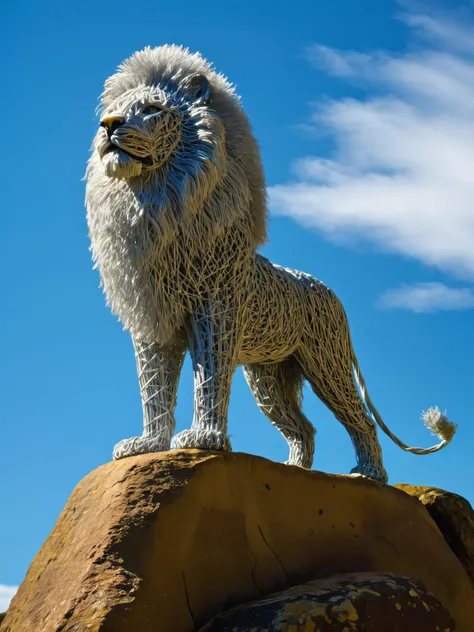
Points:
278	391
326	361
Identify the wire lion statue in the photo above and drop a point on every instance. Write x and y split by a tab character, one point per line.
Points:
176	209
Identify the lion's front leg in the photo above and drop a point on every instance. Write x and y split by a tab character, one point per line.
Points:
158	369
213	348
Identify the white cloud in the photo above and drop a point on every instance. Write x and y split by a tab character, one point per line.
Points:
402	172
458	33
427	297
6	594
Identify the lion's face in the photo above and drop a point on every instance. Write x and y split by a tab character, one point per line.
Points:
147	126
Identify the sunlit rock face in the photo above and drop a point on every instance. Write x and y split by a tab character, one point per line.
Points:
170	540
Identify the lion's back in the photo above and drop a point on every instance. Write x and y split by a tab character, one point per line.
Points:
283	305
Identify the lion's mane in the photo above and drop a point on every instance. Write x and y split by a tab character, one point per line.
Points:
154	235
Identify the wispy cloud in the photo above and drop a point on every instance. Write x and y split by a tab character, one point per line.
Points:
402	172
455	32
427	297
6	594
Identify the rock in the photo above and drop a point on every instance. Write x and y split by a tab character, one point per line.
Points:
166	541
455	519
363	602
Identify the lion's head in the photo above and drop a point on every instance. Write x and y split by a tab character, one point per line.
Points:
152	126
172	132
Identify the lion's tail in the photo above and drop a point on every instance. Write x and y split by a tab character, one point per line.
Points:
434	419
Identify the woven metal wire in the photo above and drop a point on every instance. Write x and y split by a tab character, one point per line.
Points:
176	210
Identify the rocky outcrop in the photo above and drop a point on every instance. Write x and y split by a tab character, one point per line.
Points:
454	517
164	542
364	602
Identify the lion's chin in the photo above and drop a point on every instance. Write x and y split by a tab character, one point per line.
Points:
118	164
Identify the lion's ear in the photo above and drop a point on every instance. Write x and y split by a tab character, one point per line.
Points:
197	87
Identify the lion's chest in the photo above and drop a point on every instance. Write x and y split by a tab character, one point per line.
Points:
139	275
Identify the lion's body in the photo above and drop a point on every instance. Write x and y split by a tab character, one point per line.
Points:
176	210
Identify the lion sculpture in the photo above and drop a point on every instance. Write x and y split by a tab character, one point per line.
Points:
176	208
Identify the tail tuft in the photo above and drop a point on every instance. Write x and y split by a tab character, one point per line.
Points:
439	424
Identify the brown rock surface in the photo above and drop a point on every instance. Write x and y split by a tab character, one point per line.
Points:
363	602
163	542
455	519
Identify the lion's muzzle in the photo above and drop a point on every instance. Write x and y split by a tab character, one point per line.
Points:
147	140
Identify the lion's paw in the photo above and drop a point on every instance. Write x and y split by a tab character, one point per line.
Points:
139	445
370	471
202	439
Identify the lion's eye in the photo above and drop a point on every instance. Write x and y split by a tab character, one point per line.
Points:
151	109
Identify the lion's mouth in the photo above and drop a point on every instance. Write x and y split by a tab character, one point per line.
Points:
112	146
120	163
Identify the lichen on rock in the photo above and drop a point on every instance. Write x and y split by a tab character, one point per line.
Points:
364	602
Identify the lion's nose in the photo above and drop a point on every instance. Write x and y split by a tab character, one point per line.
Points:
111	122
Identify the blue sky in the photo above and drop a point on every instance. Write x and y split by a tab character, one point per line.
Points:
364	115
